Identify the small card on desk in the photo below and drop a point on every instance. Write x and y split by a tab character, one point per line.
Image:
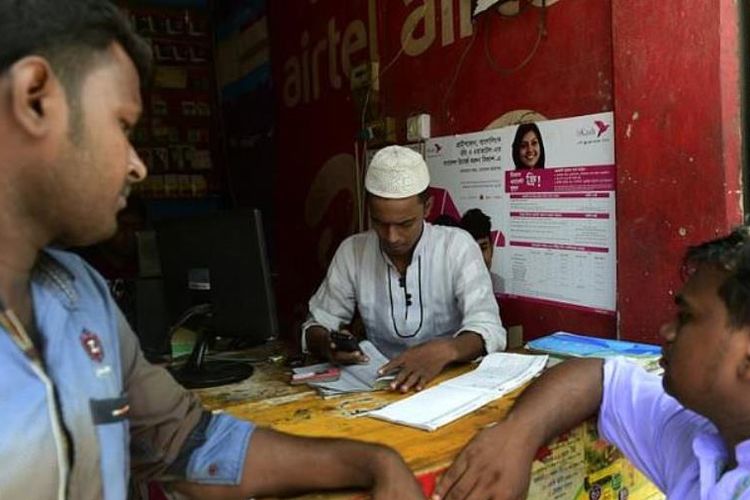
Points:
323	375
357	377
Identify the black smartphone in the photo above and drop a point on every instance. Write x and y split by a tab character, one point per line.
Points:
344	341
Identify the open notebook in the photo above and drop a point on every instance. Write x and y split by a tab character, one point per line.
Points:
498	374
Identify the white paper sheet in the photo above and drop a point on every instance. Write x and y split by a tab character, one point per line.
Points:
498	374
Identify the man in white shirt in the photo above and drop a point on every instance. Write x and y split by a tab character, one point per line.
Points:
422	291
687	431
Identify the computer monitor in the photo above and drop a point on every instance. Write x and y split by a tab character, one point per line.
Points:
216	264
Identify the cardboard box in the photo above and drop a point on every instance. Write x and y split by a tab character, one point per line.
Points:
580	466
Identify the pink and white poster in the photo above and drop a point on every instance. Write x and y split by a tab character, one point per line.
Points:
549	189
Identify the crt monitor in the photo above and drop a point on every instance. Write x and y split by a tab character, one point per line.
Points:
216	264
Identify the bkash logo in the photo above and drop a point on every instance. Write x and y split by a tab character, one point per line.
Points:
435	151
601	126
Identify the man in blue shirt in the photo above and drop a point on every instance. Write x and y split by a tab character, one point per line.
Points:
688	432
80	406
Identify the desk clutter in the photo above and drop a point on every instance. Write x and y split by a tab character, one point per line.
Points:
351	378
562	345
498	374
577	465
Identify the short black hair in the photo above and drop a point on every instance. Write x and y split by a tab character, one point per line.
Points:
69	34
476	223
445	220
731	254
521	131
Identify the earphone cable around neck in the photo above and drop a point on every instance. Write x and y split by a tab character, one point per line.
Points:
13	326
390	297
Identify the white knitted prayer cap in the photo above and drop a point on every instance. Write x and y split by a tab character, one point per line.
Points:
397	172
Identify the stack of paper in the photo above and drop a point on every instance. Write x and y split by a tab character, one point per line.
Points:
353	378
498	374
580	346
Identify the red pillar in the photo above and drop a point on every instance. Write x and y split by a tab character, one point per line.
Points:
677	114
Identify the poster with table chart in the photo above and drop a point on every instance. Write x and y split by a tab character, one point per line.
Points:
553	227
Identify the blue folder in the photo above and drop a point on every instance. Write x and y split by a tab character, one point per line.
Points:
569	344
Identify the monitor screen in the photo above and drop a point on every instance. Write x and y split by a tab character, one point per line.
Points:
219	259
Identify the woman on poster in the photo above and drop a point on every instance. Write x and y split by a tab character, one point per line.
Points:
528	147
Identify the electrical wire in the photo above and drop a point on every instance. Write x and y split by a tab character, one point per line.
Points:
395	58
193	311
383	72
360	201
458	68
540	34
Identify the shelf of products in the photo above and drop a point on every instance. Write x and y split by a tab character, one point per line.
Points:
177	135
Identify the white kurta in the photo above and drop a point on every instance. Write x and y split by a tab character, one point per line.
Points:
446	290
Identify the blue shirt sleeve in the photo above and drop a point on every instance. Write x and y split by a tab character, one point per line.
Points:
172	437
221	457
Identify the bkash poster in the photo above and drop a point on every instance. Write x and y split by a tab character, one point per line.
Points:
549	189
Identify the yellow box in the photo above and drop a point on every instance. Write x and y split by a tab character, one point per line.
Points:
580	466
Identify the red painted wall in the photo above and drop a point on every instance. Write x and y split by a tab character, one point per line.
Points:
570	73
315	135
684	106
677	115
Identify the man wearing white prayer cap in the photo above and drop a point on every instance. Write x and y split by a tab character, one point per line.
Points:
422	291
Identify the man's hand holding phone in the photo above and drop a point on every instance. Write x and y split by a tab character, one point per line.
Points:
344	349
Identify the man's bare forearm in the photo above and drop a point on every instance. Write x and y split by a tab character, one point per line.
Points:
564	396
279	464
469	345
497	462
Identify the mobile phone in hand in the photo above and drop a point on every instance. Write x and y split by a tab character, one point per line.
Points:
344	341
